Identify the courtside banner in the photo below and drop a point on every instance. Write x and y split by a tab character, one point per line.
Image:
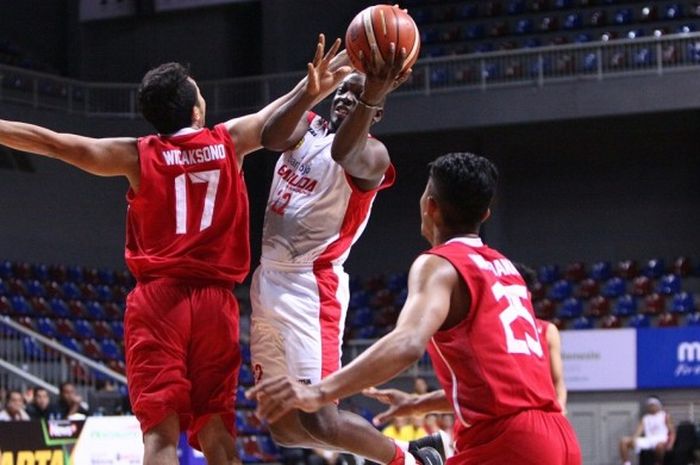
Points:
109	441
599	360
37	442
668	357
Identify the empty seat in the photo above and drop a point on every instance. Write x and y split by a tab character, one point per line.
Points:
544	309
95	310
59	307
72	344
642	286
623	16
654	268
117	329
575	271
84	329
111	350
669	284
654	304
570	309
245	376
20	305
587	288
614	287
582	322
47	327
573	21
598	306
40	272
601	271
35	289
92	349
71	291
667	320
683	302
65	328
693	319
673	11
639	321
682	266
610	322
523	26
103	330
627	269
625	306
599	18
560	290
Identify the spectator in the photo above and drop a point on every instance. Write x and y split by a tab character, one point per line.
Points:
14	407
420	386
402	429
70	404
430	423
41	407
654	432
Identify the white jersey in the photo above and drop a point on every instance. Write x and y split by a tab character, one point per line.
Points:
655	425
314	212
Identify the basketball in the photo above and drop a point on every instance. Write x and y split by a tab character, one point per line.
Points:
382	25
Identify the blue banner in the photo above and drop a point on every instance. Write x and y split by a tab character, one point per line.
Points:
668	357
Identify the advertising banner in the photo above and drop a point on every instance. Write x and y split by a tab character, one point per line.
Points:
668	357
38	442
599	360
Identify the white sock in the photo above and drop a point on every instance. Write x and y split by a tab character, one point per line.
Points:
403	445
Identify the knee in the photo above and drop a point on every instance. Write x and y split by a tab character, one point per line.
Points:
322	425
286	437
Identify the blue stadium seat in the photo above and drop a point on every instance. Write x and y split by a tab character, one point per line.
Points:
31	348
614	287
583	323
532	42
562	4
40	272
110	350
59	307
118	329
366	332
106	276
401	298
429	36
72	344
601	271
35	289
548	274
573	21
245	377
75	274
484	47
422	15
560	290
516	7
571	308
20	306
635	33
95	310
623	16
524	26
625	306
643	57
242	400
683	302
268	447
649	13
669	284
639	321
84	329
673	11
693	319
590	62
245	353
654	268
6	271
439	76
359	299
71	291
397	282
686	28
47	327
3	287
361	317
582	38
473	32
490	71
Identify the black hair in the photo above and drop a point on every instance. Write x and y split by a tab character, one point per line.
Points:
528	274
166	97
13	391
464	185
41	388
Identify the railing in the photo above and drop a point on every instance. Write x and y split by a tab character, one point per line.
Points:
422	368
29	359
523	67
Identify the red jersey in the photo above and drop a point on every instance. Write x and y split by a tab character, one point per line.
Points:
542	326
492	364
189	219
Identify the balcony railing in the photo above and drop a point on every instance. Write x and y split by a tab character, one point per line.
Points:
476	72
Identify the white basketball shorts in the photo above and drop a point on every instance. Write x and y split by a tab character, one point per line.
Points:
298	321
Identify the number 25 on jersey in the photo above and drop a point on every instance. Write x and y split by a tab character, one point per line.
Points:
514	295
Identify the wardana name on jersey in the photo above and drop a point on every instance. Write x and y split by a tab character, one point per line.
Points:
194	156
299	183
499	267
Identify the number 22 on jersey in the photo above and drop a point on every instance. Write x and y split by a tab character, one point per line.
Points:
211	178
514	295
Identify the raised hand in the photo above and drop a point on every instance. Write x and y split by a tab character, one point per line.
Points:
401	404
326	72
383	76
278	396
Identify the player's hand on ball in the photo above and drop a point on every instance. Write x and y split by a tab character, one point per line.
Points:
383	76
326	72
401	404
278	396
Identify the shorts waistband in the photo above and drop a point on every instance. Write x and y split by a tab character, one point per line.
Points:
297	267
181	282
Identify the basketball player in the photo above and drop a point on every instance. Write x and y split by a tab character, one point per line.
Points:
323	188
654	432
187	245
549	333
469	306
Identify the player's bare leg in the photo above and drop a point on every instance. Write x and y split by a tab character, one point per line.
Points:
626	444
660	453
218	445
160	442
349	432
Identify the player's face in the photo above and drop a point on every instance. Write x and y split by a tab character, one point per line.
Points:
345	98
201	105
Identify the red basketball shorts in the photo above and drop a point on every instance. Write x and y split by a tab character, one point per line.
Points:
532	437
182	354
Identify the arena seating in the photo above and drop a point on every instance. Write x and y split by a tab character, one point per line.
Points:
459	27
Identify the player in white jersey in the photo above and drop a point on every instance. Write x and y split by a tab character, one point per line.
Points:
323	188
654	432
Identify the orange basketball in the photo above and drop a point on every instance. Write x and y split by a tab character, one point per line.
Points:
382	25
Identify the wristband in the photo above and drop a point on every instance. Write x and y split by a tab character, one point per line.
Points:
367	105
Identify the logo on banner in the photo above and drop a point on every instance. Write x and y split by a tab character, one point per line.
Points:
688	354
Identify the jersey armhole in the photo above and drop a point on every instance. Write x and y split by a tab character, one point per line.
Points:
386	182
472	300
226	136
133	196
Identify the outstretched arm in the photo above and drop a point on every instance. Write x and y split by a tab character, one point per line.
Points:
431	281
247	131
555	364
366	160
288	124
403	404
102	157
